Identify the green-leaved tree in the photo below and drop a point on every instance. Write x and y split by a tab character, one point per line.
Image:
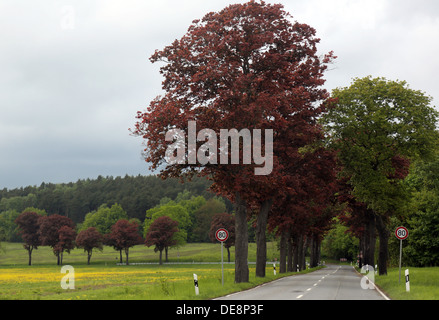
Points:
104	218
378	127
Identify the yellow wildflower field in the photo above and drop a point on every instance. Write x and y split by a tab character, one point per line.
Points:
103	279
105	282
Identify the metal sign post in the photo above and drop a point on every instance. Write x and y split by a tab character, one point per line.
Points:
222	264
222	235
401	233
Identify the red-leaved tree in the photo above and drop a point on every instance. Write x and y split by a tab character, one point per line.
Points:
303	212
247	67
28	228
124	235
89	239
67	236
50	227
161	234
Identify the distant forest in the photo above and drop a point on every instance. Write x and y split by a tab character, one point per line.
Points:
135	194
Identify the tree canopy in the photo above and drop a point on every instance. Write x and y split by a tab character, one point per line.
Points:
57	232
246	67
378	127
88	240
161	234
135	194
104	218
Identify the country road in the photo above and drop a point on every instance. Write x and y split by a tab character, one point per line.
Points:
331	283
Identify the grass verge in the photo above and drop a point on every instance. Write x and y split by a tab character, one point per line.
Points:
424	284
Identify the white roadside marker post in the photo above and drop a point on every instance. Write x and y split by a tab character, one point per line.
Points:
407	281
197	292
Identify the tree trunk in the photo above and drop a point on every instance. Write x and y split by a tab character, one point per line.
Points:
241	241
30	255
315	251
228	254
370	240
166	254
319	251
305	246
160	257
89	256
383	255
126	255
312	253
295	253
290	254
120	256
300	254
261	241
283	252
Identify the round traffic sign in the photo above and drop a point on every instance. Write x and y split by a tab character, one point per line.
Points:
221	234
401	233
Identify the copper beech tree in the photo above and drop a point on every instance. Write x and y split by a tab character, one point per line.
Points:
247	67
57	232
28	227
161	234
89	239
302	214
124	235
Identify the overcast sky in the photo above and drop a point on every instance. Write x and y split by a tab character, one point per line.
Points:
74	73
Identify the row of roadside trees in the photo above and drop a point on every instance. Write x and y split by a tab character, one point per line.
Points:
249	67
59	232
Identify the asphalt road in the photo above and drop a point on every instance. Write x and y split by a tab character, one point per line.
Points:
331	283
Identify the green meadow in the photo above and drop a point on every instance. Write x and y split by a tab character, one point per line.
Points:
105	279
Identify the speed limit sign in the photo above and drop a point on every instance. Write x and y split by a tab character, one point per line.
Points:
401	233
221	235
